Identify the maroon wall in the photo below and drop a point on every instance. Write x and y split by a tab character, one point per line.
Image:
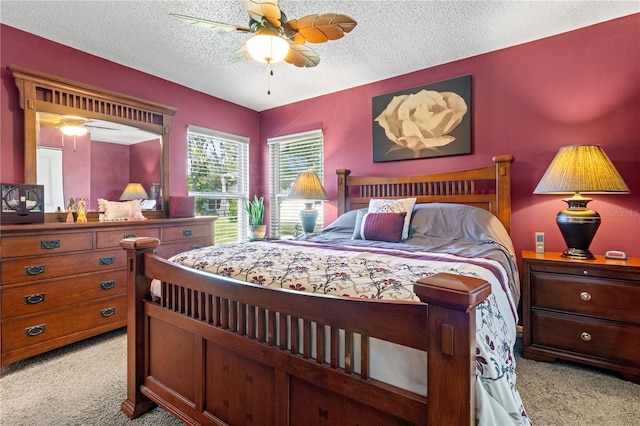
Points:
581	87
575	88
195	108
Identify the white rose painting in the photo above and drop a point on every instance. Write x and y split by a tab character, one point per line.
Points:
429	121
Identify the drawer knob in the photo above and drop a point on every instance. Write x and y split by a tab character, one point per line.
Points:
585	272
107	285
585	296
107	260
32	299
585	336
35	330
50	245
107	312
34	270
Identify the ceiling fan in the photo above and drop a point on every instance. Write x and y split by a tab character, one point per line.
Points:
278	38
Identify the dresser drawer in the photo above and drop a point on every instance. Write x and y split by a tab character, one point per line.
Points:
34	298
110	239
46	244
601	297
170	249
32	269
186	232
602	339
36	329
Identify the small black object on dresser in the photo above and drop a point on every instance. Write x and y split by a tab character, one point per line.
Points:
22	203
582	311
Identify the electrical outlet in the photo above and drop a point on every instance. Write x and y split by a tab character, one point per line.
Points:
539	242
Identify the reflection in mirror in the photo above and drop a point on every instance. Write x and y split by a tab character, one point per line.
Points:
90	158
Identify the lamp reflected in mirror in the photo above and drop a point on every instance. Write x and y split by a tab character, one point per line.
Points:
580	169
134	191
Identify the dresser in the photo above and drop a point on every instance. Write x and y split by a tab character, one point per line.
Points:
64	282
585	311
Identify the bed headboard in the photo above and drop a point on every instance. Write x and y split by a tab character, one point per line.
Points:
488	188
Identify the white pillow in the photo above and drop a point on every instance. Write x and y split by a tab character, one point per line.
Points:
125	210
396	205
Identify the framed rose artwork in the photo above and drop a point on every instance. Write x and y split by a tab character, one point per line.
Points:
428	121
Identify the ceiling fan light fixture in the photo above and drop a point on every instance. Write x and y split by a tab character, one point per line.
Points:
71	130
267	47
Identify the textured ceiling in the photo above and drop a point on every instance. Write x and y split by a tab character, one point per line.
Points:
391	38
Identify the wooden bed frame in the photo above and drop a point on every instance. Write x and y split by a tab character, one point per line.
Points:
216	352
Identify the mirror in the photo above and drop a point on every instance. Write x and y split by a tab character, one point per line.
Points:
98	164
45	97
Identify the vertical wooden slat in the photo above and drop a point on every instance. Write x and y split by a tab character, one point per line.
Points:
306	339
335	348
295	335
262	332
284	331
271	333
320	343
348	352
364	357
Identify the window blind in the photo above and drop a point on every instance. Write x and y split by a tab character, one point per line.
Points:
288	157
218	178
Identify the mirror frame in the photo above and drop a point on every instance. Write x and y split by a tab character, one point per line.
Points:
40	92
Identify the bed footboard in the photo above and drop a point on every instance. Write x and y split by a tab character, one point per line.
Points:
217	351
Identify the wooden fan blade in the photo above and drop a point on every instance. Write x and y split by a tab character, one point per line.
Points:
321	28
213	25
260	10
302	56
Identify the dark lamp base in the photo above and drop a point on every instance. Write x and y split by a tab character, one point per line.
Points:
578	254
578	225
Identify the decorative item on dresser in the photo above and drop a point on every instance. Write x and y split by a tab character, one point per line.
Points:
582	310
65	282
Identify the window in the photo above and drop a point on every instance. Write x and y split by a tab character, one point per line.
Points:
288	157
218	177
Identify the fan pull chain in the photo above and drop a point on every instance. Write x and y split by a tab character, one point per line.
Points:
269	78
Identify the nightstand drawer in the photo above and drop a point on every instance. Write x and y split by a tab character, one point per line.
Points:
585	336
34	298
605	298
46	244
34	269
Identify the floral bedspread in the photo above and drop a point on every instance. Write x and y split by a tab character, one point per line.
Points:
386	273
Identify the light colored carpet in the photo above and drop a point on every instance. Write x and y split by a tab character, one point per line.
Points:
84	384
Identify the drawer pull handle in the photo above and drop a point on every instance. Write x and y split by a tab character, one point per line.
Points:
34	270
585	336
187	232
585	296
32	299
49	245
107	312
107	285
35	330
129	236
107	260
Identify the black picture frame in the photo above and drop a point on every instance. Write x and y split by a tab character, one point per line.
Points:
426	128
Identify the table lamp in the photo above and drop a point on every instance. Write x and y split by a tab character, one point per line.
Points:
307	187
134	191
579	169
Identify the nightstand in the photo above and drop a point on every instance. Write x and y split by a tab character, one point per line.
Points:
585	311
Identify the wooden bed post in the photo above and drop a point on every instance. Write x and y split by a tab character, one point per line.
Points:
342	190
137	290
452	345
503	189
